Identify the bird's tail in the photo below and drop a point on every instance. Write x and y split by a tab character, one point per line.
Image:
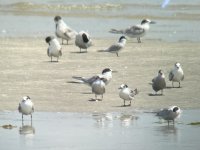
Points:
81	79
116	31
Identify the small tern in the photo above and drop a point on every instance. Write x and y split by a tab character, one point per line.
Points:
115	48
126	93
159	82
106	75
54	49
169	114
63	31
83	40
26	107
135	31
176	74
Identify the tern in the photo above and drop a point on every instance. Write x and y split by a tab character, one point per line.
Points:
26	107
83	40
135	31
54	49
126	93
176	74
159	82
63	31
169	114
115	48
106	75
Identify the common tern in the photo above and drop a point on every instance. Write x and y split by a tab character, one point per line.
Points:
115	48
169	114
135	31
26	107
98	87
106	75
54	49
83	40
176	74
63	31
159	82
126	93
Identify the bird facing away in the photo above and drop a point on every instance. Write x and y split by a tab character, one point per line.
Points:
126	93
159	82
26	107
135	31
63	31
106	75
83	40
169	114
54	49
176	74
115	48
98	87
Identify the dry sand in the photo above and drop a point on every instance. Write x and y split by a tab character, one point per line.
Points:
26	70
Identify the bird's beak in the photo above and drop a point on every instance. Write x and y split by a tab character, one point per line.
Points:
119	88
152	22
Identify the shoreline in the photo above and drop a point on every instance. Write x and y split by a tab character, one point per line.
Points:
26	70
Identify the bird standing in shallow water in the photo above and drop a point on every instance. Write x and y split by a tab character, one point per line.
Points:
126	93
135	31
63	31
169	114
26	107
176	74
54	49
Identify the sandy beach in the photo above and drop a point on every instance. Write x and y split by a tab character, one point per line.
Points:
26	70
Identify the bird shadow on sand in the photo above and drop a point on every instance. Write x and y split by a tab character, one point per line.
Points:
122	106
151	94
94	100
77	52
74	82
53	61
170	87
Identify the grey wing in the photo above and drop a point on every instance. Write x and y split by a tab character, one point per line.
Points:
90	80
134	30
164	112
114	47
171	76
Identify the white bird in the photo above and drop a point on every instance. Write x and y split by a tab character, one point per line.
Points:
106	75
126	93
54	49
159	82
83	40
63	31
115	48
176	74
169	114
26	107
98	87
135	31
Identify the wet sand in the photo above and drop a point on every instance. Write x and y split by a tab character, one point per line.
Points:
27	70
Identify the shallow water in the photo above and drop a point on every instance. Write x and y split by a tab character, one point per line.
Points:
111	131
179	20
